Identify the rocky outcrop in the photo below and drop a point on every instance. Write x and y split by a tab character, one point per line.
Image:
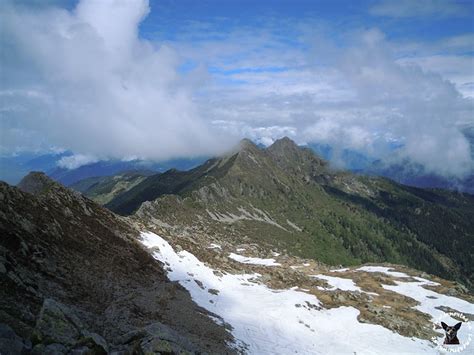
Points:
11	343
57	324
158	338
35	183
73	279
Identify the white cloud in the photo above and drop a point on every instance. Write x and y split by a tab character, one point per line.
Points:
84	81
415	8
456	68
76	160
362	97
100	89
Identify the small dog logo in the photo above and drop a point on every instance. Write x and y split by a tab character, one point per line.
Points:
451	333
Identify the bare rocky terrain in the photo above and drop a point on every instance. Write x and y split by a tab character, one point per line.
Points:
74	279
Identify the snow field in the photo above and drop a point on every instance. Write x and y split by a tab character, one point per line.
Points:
287	321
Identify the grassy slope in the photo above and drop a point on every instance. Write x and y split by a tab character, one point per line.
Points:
345	219
170	182
103	189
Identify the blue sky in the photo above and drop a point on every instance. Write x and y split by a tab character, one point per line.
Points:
162	79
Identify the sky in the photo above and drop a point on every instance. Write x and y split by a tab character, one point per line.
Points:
162	79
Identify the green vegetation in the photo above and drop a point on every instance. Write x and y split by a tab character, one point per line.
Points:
287	198
103	189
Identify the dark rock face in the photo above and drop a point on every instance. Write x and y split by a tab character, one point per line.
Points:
158	338
73	277
10	343
57	324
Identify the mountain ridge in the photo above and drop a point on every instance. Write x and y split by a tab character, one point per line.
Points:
341	218
73	276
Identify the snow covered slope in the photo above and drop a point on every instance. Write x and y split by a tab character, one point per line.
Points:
269	321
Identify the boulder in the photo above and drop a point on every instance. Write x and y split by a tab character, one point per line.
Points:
50	349
158	338
56	323
94	342
10	343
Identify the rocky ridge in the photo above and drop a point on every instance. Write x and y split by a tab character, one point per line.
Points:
74	280
286	198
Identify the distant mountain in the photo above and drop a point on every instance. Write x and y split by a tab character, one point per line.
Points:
288	198
75	280
102	189
406	172
14	168
409	173
348	159
112	167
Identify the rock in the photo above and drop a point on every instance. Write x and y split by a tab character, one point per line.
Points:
35	183
341	298
452	292
462	288
67	212
83	350
10	343
158	338
213	291
157	346
51	349
56	324
94	342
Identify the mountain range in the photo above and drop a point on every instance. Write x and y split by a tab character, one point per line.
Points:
407	172
288	198
263	250
14	168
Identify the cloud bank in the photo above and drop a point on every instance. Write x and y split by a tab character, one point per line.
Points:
83	80
359	96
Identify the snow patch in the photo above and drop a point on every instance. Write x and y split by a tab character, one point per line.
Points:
430	300
340	270
384	270
339	283
255	261
279	321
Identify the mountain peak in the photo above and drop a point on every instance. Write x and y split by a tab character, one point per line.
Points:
289	155
247	144
284	142
35	182
284	147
